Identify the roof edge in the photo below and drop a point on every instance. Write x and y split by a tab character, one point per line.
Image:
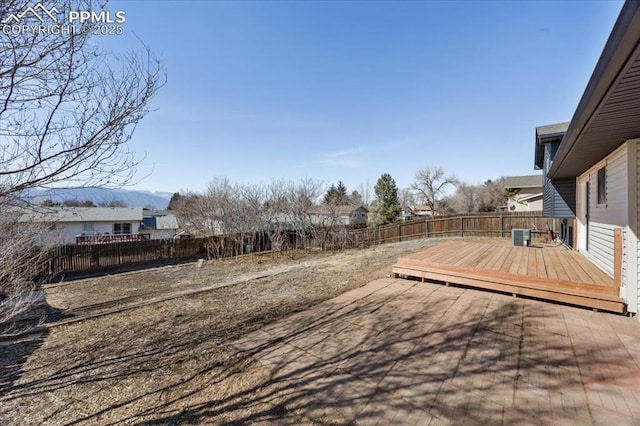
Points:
621	44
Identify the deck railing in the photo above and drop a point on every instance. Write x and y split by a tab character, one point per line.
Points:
111	238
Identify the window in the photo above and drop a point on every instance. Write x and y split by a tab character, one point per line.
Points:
121	228
602	185
87	228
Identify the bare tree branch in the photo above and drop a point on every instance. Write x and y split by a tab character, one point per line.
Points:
430	184
67	111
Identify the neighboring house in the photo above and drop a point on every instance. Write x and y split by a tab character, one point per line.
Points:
354	216
527	193
67	224
160	224
591	165
416	212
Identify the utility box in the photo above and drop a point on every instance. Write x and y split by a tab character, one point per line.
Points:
521	237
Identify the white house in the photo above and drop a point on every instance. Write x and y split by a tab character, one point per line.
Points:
591	165
527	191
65	224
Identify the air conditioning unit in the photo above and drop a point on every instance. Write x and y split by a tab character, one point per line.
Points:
521	237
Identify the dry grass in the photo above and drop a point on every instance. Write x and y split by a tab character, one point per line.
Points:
137	348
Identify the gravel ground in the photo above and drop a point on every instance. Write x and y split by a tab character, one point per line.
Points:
139	347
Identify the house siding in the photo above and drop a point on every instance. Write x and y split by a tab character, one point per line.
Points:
605	218
635	284
69	231
636	146
626	255
559	198
558	195
601	246
615	210
633	289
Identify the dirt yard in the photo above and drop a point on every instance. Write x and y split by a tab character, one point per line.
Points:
143	347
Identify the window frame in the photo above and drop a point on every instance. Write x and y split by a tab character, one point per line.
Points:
120	227
601	186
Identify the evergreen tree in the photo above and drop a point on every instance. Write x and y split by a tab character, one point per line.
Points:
174	202
385	208
337	195
355	198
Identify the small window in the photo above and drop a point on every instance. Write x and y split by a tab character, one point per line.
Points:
602	185
121	228
87	228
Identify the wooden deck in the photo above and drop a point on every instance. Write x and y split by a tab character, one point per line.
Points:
545	272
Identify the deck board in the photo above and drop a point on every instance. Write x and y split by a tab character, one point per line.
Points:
547	272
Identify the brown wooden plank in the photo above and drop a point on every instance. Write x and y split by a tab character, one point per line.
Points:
541	269
464	253
488	256
523	267
448	253
514	268
555	270
593	300
617	257
531	263
569	265
478	257
585	270
512	278
497	259
507	261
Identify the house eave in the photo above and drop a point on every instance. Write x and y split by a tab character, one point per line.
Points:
608	113
543	136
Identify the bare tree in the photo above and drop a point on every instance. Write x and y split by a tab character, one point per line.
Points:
301	199
406	197
365	189
493	195
430	185
466	199
275	215
248	215
67	111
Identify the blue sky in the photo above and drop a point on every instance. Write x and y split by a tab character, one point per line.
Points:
350	90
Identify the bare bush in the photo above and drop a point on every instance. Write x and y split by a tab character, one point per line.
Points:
23	253
244	214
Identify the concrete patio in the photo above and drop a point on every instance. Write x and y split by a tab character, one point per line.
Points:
406	352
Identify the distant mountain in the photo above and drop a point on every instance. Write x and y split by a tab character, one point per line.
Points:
131	198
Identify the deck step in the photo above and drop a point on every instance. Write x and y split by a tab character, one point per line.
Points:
580	294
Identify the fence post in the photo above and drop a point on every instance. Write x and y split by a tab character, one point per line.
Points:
501	226
399	234
461	226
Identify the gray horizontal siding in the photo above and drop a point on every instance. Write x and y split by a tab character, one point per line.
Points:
559	198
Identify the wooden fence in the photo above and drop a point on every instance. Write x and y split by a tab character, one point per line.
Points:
76	258
463	225
92	258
